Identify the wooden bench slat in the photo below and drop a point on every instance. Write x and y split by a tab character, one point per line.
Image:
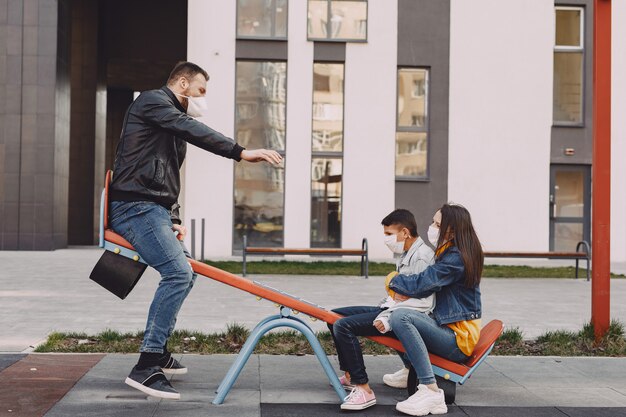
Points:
535	254
306	251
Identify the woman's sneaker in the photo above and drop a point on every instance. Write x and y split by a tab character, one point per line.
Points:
171	366
398	379
153	382
425	401
358	399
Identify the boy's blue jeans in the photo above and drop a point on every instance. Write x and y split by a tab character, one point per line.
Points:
148	227
358	321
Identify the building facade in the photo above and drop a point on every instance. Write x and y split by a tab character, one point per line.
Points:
374	104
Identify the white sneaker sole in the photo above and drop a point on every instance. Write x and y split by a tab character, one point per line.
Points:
180	371
363	406
395	384
406	409
152	392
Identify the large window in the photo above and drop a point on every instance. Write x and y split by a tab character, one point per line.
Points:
412	124
568	66
337	20
327	155
260	123
265	19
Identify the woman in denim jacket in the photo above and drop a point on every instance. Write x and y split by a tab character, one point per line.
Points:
453	328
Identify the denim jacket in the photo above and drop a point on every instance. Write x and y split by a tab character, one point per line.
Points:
455	302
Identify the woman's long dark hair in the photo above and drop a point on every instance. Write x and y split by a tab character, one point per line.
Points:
456	226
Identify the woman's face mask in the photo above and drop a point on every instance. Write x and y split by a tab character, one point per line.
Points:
433	235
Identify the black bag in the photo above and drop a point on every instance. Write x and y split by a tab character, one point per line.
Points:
117	273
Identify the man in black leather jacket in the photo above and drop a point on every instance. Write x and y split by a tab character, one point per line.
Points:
144	204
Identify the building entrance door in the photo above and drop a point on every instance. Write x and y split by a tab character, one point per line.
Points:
570	206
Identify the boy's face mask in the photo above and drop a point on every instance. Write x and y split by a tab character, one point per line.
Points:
394	246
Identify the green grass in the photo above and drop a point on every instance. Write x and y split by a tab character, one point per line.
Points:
511	342
382	269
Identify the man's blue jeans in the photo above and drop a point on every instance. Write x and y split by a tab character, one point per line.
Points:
148	227
420	334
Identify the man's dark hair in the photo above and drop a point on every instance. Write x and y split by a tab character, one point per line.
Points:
403	218
186	69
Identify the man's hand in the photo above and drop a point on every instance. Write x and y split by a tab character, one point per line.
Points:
182	231
379	326
258	155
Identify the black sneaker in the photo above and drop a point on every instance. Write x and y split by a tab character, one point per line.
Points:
153	382
171	366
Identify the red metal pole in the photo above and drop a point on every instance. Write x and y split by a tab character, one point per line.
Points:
601	170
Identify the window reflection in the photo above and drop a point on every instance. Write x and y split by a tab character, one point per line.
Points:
411	154
262	18
412	97
260	123
569	193
348	19
328	107
568	87
568	66
412	123
326	181
568	27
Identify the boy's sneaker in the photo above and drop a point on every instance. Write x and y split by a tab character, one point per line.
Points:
423	402
171	366
153	382
358	399
346	382
398	379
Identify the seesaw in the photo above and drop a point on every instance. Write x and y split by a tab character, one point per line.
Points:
448	373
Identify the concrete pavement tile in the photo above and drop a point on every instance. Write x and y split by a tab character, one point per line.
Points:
488	376
324	410
598	369
595	412
512	412
37	381
239	403
294	379
476	395
94	409
211	369
9	359
582	396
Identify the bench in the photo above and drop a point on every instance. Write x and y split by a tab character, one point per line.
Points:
584	254
363	253
448	373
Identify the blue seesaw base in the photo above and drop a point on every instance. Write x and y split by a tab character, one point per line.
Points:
284	319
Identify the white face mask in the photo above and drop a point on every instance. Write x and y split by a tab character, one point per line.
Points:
433	235
393	244
196	106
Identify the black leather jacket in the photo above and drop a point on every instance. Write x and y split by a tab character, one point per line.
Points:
152	149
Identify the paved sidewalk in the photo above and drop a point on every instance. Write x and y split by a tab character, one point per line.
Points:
296	386
45	291
41	292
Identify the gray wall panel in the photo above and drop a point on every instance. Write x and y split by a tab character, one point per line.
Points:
424	41
578	137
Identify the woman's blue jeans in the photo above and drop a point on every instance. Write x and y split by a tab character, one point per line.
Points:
148	227
420	334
